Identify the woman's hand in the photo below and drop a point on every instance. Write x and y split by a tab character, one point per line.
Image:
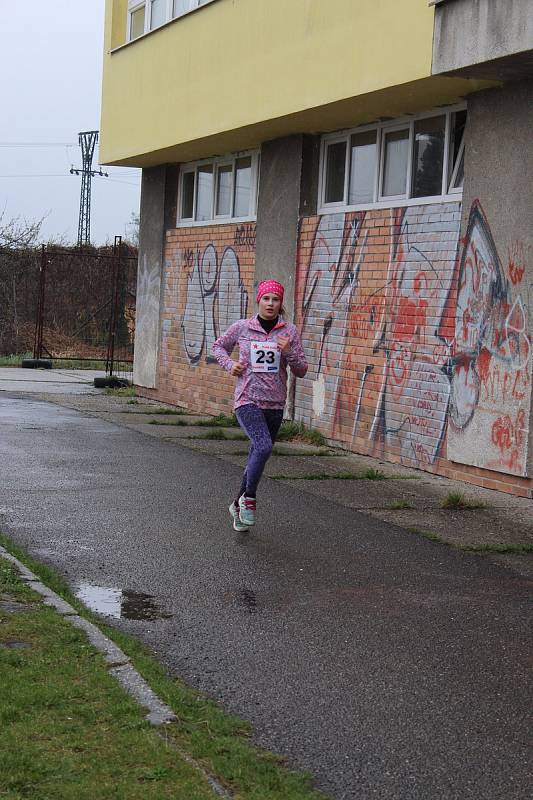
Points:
237	369
283	344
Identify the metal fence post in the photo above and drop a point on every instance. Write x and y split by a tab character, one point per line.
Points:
117	258
38	339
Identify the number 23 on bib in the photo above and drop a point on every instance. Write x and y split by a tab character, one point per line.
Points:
264	356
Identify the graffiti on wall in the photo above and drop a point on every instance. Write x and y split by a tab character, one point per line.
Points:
146	330
491	384
409	344
375	325
245	236
216	298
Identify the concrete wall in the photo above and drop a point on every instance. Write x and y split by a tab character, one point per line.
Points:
472	32
278	214
491	402
151	239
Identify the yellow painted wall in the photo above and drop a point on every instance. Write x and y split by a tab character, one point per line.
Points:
119	22
236	72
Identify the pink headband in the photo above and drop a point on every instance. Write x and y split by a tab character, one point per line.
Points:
270	287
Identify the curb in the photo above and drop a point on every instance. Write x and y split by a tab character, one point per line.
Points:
120	666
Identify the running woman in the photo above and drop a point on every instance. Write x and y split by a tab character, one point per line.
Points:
267	345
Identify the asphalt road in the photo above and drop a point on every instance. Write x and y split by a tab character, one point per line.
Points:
387	666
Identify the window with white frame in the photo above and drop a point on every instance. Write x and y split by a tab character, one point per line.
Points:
146	15
136	19
398	162
218	189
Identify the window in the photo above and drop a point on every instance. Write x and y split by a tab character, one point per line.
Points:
224	190
158	13
335	172
363	162
136	20
146	15
187	197
428	156
395	157
181	7
243	187
204	193
456	165
218	189
397	162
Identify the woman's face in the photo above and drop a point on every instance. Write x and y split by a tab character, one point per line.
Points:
269	306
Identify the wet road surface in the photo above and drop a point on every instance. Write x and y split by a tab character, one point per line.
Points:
388	666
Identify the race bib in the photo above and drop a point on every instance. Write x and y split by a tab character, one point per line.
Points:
264	356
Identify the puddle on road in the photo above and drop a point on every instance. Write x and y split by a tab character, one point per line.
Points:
245	599
119	603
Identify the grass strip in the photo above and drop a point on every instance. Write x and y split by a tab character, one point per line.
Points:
171	422
318	476
456	501
74	363
296	431
57	363
220	421
432	537
368	475
122	391
479	549
497	548
219	436
14	360
289	431
399	505
280	451
164	411
67	729
219	741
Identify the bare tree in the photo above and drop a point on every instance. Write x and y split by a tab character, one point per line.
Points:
19	260
18	233
132	230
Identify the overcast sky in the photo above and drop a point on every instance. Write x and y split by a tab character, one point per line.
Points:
51	74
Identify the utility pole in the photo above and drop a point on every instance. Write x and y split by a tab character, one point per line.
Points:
87	141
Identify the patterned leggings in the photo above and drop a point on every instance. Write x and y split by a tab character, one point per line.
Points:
261	425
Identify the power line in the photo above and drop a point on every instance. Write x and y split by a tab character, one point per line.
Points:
126	183
40	175
62	175
37	144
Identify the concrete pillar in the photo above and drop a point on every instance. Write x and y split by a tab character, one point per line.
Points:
278	213
494	322
288	189
149	276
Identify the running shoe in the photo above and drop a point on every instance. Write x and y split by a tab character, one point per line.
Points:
237	524
247	510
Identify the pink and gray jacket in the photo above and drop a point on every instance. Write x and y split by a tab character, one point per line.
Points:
261	388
